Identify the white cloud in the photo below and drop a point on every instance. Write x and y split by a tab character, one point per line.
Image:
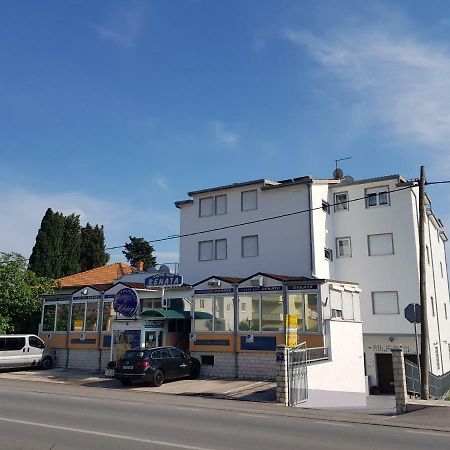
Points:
161	182
223	134
122	26
401	82
22	212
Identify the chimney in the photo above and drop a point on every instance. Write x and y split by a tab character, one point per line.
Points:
140	266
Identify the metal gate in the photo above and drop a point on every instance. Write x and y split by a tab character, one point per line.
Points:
297	374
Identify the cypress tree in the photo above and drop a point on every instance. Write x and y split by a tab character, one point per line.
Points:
71	243
46	257
138	249
93	252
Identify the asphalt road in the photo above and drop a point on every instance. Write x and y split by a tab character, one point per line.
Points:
51	417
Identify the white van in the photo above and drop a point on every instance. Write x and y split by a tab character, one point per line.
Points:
24	350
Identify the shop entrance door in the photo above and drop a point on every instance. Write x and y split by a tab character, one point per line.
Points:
154	338
385	373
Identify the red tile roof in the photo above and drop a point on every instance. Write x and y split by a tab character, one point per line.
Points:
100	275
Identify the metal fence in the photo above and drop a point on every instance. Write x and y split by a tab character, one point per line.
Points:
438	385
316	354
297	374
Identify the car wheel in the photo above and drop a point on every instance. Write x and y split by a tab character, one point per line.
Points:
195	373
158	378
47	363
125	381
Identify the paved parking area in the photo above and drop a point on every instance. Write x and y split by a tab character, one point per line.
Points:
251	390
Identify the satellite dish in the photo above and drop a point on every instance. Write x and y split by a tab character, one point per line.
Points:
163	269
348	179
338	174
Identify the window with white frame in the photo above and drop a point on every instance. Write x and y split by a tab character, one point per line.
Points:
377	196
214	205
206	250
385	302
343	247
62	317
328	253
206	207
380	244
106	316
341	201
78	312
249	200
213	313
221	249
249	246
305	306
48	318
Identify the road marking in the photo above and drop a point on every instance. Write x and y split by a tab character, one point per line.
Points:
336	424
108	435
188	408
243	387
431	433
254	416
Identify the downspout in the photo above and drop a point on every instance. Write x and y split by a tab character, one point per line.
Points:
311	246
69	327
235	330
99	328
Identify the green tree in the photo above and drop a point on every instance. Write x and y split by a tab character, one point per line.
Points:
93	252
46	257
71	245
138	249
20	290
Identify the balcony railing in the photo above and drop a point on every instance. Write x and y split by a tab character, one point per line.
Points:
314	354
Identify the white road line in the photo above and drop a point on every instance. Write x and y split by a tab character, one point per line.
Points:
188	408
254	416
336	424
430	433
243	388
107	435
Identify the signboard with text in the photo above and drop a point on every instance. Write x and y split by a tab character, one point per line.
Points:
291	330
164	279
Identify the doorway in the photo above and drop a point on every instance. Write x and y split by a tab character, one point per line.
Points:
385	373
153	338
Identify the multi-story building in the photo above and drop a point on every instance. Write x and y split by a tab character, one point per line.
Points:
363	231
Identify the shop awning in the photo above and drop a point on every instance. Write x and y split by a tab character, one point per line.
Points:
166	313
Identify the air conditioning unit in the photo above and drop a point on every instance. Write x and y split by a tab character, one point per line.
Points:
215	283
257	281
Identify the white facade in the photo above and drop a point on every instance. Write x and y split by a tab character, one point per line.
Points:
376	234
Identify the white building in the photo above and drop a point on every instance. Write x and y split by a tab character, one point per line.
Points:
361	231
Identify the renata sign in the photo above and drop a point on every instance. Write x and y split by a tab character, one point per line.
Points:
126	302
164	279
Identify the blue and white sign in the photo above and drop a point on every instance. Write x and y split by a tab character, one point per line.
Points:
126	302
164	279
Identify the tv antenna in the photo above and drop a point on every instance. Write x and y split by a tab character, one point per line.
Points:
341	159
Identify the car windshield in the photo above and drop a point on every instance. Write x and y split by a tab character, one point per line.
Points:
133	356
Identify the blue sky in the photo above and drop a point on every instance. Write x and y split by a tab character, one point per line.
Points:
115	109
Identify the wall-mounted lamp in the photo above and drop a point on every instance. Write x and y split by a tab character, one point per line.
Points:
391	339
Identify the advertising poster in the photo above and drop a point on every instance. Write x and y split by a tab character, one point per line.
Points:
124	340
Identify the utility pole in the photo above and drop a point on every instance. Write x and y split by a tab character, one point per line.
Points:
425	352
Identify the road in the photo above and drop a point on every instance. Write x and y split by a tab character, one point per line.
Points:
35	416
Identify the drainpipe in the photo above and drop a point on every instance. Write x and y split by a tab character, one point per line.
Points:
235	330
69	327
99	328
311	245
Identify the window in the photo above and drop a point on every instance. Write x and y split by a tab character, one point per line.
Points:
78	310
106	317
336	313
249	319
272	312
249	246
221	249
214	313
205	250
385	302
209	250
201	303
445	310
175	353
306	308
203	320
48	322
91	316
221	204
438	362
206	206
243	306
380	244
62	317
378	196
14	343
328	253
343	247
35	342
223	321
433	309
325	207
340	201
249	200
207	360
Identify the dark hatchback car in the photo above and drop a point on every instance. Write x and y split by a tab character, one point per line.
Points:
156	365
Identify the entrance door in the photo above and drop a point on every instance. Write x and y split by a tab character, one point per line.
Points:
153	338
385	373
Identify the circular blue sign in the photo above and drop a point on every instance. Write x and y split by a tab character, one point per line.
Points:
126	302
